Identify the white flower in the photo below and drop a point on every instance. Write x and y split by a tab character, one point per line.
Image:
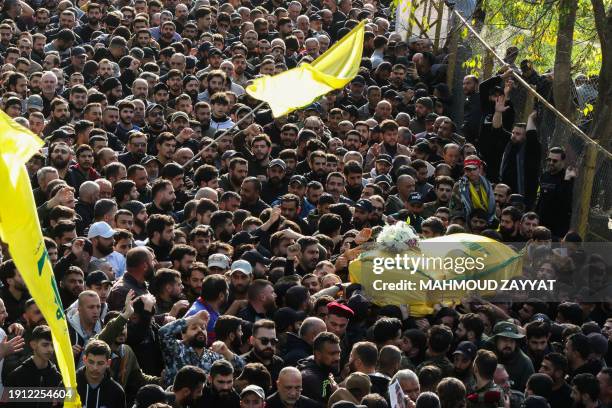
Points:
398	237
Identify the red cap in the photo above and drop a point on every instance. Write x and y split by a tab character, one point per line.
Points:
472	162
340	309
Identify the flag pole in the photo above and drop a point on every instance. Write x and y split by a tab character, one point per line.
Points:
226	131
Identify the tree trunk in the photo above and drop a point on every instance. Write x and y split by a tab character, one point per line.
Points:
602	116
562	83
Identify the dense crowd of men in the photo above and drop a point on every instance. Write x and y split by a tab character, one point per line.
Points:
202	263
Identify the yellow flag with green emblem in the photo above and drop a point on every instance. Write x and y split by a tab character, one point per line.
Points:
20	229
301	86
456	257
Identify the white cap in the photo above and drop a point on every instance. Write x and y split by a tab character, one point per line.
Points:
255	389
242	266
100	229
219	260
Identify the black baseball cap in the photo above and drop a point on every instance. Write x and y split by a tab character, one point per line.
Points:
97	278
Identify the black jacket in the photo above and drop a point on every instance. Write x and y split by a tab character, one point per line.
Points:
296	349
555	202
274	401
28	375
107	394
211	399
274	368
316	382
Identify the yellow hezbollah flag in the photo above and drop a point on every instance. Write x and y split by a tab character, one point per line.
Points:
20	229
454	257
300	86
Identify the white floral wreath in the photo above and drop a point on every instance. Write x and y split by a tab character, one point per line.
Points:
399	237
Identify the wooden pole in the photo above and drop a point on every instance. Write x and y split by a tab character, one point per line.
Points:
585	190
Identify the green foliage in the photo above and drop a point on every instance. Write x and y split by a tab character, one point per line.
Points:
532	26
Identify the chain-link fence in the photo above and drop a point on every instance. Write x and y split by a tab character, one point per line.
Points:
476	51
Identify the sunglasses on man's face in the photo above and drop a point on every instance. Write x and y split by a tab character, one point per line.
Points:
265	341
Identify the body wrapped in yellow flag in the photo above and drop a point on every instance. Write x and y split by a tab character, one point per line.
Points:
434	270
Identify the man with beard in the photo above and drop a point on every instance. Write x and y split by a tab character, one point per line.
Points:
463	360
318	370
101	236
82	171
60	116
275	186
139	211
77	101
258	155
443	189
578	350
237	172
219	390
163	195
422	108
216	83
309	255
505	338
264	342
538	334
125	126
139	269
509	222
202	114
250	192
155	125
124	367
529	222
353	172
261	301
289	394
241	275
71	285
299	346
229	330
556	189
317	162
389	144
213	296
290	209
191	350
222	225
167	288
59	157
585	391
136	148
160	236
361	216
112	88
555	366
94	14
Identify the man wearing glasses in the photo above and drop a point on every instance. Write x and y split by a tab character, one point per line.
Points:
554	203
264	343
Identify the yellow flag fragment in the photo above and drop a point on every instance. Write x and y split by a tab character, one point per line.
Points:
300	86
20	229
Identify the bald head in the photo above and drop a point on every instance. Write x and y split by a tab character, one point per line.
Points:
310	328
289	385
207	192
89	192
